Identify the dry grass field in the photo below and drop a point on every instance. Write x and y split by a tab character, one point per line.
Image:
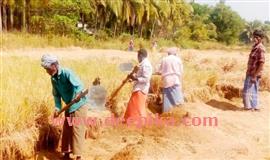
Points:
213	81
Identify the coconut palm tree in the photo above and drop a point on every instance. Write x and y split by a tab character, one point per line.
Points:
249	29
10	7
4	14
1	27
115	7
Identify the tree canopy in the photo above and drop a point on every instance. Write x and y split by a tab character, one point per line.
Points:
168	19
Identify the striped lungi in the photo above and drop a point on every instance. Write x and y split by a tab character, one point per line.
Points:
172	96
250	93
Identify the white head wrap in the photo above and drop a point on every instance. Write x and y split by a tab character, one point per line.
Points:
47	60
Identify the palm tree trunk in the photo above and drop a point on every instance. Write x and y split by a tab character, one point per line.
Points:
1	27
23	25
28	15
141	30
153	29
96	20
122	26
4	17
11	18
114	32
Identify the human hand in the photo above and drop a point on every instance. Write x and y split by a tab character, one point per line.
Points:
55	114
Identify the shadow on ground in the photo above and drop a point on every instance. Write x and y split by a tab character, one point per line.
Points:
225	106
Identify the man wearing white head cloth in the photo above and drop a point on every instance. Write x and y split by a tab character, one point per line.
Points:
67	86
171	71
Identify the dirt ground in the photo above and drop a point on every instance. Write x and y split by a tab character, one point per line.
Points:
238	135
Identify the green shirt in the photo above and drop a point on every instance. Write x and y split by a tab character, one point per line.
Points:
66	85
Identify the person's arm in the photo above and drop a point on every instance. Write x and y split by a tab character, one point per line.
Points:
57	99
76	83
259	69
261	61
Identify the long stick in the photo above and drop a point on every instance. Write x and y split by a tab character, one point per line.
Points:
82	94
116	91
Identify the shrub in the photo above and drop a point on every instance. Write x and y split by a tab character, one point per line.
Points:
125	37
101	35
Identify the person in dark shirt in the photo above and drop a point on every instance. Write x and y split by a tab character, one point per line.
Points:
254	72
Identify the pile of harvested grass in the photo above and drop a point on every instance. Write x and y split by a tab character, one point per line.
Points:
211	82
265	83
37	134
189	57
177	113
130	152
33	135
155	84
227	65
49	138
49	135
154	103
19	145
199	94
228	91
154	99
117	108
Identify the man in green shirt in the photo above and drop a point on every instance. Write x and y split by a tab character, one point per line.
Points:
66	86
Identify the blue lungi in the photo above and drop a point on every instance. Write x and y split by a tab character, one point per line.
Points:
172	96
250	93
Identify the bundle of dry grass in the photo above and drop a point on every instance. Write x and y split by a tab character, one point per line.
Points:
117	107
199	94
177	113
154	103
93	130
228	91
265	83
19	145
154	99
211	82
155	84
227	65
189	57
35	135
130	152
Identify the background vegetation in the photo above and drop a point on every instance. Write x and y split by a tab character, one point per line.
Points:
167	21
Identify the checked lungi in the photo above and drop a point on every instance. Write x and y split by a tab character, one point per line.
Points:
250	93
172	96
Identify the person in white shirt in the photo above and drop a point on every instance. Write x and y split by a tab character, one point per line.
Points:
171	71
137	104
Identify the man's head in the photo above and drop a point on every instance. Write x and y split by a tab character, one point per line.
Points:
142	54
50	63
172	51
258	35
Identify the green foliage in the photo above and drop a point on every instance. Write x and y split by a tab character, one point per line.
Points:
125	37
250	27
229	24
62	25
201	26
102	35
199	30
183	33
38	25
175	21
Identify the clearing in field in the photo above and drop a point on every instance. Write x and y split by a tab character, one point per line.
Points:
212	86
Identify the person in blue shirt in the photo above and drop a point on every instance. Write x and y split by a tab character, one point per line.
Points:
67	86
